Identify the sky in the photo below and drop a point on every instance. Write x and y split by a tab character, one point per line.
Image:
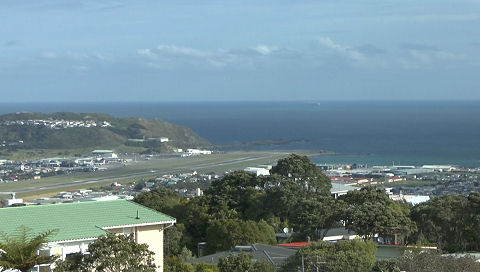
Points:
239	50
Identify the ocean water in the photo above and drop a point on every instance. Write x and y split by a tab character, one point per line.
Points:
380	133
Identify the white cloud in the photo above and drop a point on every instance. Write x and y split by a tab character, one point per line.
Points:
417	56
324	52
340	50
264	50
180	50
147	53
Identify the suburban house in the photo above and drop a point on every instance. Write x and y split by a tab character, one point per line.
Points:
79	224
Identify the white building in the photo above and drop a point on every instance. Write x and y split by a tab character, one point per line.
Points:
106	154
198	152
258	171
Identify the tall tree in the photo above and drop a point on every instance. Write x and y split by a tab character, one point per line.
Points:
370	211
450	221
18	250
240	191
304	172
295	179
314	217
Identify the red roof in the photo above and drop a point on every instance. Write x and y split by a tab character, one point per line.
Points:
297	244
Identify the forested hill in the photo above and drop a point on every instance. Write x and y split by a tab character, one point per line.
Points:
66	130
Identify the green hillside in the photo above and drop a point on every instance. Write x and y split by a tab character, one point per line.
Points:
15	137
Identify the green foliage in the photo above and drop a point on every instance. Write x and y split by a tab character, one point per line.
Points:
202	267
432	261
241	263
74	262
370	211
112	253
451	221
294	179
20	249
160	199
313	215
296	196
342	256
172	242
304	172
240	191
195	216
225	234
178	263
386	266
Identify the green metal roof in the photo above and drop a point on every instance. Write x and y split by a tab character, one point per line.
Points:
80	220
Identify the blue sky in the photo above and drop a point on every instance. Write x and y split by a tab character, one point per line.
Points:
69	50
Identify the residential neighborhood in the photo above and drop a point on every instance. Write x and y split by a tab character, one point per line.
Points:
57	124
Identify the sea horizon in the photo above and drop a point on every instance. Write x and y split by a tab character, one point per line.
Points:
362	132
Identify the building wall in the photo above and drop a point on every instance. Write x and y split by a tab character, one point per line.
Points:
153	237
150	235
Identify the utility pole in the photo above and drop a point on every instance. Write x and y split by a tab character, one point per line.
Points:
303	265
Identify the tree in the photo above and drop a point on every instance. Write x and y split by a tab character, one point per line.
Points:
20	249
314	217
370	211
342	256
433	261
304	172
451	221
240	191
160	199
294	179
172	244
243	262
225	234
112	253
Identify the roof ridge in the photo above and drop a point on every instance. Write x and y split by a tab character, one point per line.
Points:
61	203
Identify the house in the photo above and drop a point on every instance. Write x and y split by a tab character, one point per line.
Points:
79	224
340	188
